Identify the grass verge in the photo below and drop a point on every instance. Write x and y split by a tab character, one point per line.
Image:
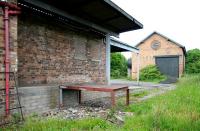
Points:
176	110
37	124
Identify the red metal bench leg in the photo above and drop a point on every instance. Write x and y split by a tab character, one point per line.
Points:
113	98
127	97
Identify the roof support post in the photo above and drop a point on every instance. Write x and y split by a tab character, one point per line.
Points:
138	69
108	50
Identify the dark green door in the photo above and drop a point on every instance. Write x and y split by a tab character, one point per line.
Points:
168	65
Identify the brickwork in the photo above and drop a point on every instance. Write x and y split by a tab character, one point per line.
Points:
13	59
91	95
70	98
51	55
48	56
39	98
147	54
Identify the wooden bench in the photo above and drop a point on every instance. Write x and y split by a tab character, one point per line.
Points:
100	88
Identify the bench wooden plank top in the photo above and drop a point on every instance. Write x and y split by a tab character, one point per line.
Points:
102	88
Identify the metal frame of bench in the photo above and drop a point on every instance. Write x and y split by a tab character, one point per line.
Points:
100	88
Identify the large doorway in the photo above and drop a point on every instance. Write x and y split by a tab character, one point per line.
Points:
168	65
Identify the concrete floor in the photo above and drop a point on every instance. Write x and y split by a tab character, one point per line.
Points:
134	84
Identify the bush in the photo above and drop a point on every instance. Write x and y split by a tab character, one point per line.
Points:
118	65
151	72
193	61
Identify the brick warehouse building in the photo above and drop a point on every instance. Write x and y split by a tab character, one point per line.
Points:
54	43
157	49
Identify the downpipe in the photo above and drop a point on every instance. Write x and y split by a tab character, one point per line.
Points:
8	9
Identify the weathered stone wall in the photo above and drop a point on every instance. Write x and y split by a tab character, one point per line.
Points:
147	54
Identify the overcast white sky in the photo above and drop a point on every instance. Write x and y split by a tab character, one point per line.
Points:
177	19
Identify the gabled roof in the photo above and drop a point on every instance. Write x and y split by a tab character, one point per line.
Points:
181	46
101	15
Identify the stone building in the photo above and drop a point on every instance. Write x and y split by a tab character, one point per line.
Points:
157	49
55	43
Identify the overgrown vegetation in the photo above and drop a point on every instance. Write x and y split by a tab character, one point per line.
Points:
133	98
118	66
151	73
39	124
178	109
193	61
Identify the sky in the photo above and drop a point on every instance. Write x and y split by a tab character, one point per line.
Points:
179	20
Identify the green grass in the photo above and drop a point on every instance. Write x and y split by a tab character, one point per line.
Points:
37	124
176	110
133	96
139	94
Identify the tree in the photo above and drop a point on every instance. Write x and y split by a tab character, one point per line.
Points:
118	65
193	61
